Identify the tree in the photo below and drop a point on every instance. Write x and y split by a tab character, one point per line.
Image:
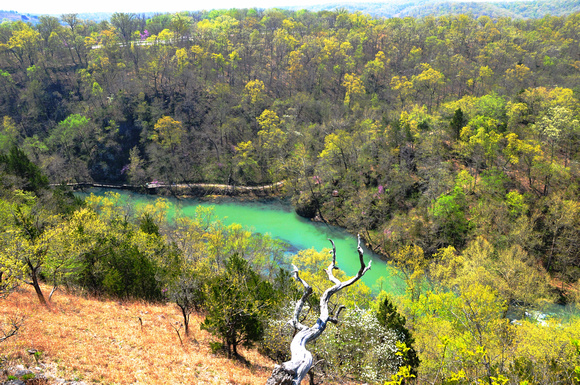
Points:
126	24
237	301
449	214
355	88
402	86
26	244
559	128
125	256
187	293
254	97
561	232
374	72
76	138
69	242
389	317
167	151
49	28
168	133
359	347
411	266
338	150
293	371
36	244
12	270
24	44
180	25
463	335
429	82
18	164
271	141
248	169
10	133
72	37
136	173
457	123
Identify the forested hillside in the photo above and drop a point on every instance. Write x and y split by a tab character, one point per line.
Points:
422	8
431	131
449	143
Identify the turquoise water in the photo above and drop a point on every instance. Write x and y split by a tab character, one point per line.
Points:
277	218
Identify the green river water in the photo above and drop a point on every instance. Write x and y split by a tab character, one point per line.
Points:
277	218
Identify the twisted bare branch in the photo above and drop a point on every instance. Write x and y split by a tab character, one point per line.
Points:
338	285
300	304
292	372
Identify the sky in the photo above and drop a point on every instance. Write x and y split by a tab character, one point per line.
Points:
58	7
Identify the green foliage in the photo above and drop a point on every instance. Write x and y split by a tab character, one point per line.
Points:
449	213
119	269
18	164
28	376
457	123
148	225
237	301
390	318
167	133
401	377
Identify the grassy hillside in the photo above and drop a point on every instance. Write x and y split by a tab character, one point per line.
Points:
102	341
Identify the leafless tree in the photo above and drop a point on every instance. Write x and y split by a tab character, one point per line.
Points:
292	372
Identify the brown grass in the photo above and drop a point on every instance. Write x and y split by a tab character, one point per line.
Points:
101	341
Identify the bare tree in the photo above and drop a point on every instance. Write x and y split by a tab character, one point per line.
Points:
13	325
292	372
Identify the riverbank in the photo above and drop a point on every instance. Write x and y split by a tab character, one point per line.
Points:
216	191
277	217
191	190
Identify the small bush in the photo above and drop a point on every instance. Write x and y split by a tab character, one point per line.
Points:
217	347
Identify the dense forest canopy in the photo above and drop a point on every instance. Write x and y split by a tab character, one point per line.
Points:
431	131
449	143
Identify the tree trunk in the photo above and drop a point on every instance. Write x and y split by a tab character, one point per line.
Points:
36	285
184	312
292	372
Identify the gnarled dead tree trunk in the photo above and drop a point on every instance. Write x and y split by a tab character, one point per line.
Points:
292	372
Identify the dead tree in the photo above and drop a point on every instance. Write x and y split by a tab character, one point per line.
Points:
292	372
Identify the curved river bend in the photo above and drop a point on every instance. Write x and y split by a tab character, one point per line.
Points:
278	219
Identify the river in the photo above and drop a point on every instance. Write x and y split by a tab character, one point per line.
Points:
278	219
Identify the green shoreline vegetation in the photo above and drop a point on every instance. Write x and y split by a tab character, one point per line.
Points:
275	217
450	143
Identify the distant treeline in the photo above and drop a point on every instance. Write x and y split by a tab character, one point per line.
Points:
425	8
400	8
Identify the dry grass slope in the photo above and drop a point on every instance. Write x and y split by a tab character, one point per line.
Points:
102	341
